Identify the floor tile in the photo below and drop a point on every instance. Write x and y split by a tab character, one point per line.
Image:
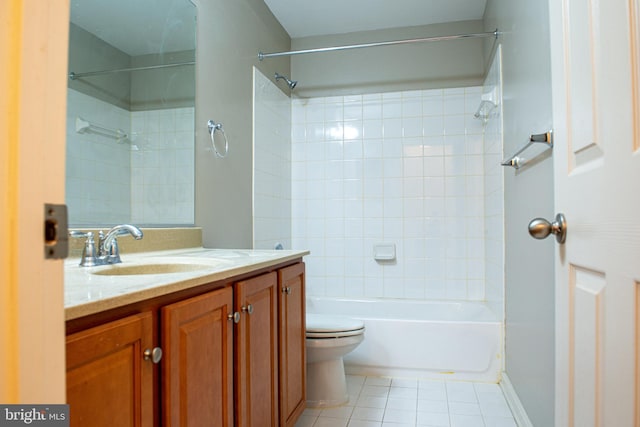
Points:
361	423
399	416
499	422
433	406
371	402
368	414
404	382
355	379
408	402
433	419
458	420
402	404
461	392
337	412
331	422
403	392
375	390
305	421
312	412
464	408
497	409
378	381
398	424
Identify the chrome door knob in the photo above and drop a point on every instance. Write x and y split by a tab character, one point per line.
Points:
154	355
247	309
540	228
235	316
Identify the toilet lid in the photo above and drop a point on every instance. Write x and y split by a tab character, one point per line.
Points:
329	324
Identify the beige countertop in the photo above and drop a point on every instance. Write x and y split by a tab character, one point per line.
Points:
89	292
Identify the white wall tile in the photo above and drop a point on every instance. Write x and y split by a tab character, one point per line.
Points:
416	178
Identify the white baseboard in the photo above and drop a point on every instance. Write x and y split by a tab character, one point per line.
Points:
519	414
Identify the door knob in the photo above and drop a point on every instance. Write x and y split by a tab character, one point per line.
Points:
235	316
247	309
154	355
540	228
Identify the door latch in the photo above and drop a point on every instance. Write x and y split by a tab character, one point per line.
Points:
56	231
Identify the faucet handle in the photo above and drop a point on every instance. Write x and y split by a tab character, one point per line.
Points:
80	234
113	252
89	257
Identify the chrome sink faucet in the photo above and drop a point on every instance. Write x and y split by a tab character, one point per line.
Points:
108	251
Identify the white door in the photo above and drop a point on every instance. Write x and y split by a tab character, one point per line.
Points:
596	103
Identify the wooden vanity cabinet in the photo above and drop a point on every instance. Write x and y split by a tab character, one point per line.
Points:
213	370
108	381
197	367
256	356
292	334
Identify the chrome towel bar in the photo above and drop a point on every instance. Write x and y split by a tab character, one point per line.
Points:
540	138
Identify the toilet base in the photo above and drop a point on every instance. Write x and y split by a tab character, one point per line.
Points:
326	384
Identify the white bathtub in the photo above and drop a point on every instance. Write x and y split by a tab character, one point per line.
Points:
423	339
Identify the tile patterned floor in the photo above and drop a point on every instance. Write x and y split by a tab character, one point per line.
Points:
395	402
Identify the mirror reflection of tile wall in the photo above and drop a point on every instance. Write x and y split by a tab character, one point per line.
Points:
147	179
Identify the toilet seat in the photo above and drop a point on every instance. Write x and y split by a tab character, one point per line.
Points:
329	326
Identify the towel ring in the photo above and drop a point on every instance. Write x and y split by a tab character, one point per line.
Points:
213	127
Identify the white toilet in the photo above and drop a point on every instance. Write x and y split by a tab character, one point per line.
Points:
329	338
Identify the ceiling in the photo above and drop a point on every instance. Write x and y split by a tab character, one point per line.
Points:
302	18
139	27
151	26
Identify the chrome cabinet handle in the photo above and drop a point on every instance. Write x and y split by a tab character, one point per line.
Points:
286	290
234	316
247	309
154	355
540	228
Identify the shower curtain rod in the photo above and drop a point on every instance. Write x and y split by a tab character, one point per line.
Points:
73	76
495	34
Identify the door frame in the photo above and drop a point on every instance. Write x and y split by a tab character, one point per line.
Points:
34	46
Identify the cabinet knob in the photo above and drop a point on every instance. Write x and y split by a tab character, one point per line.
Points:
154	355
286	290
247	309
234	316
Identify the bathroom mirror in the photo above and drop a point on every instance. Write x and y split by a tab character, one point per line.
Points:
130	113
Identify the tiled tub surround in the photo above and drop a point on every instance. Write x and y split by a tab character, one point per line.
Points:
147	179
272	164
98	174
404	168
162	166
494	193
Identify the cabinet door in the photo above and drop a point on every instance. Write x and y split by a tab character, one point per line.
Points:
197	371
256	354
108	381
292	344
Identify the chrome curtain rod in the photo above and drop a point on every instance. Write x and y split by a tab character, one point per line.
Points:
495	34
73	76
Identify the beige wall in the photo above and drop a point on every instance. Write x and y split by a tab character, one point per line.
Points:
230	35
389	68
89	53
171	87
528	194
